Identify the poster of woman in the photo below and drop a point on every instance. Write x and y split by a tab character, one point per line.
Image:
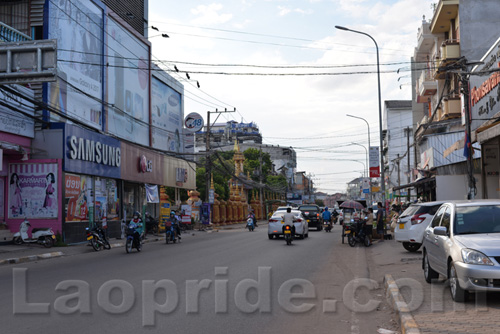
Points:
33	191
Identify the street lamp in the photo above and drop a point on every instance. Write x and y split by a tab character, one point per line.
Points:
366	169
382	176
369	146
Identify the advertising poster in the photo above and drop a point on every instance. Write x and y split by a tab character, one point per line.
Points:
128	84
2	199
33	191
78	196
164	210
166	117
374	162
78	28
186	211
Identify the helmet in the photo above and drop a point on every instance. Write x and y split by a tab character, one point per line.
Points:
326	208
137	214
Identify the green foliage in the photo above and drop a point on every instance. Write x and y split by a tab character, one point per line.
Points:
252	164
222	169
59	240
319	202
277	182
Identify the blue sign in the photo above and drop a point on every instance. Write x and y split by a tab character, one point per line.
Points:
89	152
366	191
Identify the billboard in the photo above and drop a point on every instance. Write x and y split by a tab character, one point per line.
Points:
166	117
15	122
127	84
374	162
78	28
33	190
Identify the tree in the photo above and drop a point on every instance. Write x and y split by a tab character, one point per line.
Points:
319	202
251	164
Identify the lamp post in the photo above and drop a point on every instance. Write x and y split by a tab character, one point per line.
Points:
366	151
382	174
369	146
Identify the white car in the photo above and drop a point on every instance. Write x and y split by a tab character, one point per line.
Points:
411	224
275	226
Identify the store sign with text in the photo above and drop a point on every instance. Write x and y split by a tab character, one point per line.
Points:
374	162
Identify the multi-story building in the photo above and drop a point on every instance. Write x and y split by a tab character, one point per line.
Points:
398	143
222	134
459	34
102	139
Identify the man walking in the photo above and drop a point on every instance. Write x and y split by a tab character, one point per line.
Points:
380	221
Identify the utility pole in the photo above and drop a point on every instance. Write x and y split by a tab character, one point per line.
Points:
407	130
260	180
208	162
398	160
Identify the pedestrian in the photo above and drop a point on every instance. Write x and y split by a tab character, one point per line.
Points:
380	221
369	224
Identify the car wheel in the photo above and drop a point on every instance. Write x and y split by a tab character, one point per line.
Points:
411	247
457	293
429	273
270	236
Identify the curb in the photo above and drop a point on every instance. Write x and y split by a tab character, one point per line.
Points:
31	258
406	321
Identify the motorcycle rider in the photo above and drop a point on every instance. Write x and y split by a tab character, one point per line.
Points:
335	214
289	219
327	216
251	214
175	223
136	223
150	222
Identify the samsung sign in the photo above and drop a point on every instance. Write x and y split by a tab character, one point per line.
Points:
91	153
94	151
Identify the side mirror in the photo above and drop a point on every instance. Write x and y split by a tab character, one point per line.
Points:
440	230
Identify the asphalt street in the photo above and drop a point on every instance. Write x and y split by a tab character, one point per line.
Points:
232	281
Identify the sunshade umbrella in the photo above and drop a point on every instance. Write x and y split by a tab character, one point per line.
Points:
352	205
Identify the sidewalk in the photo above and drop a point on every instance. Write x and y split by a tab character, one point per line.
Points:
426	308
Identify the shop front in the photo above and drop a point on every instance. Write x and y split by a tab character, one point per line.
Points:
91	183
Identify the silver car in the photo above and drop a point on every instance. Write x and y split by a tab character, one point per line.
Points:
462	243
275	226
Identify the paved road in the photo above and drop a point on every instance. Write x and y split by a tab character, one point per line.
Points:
232	281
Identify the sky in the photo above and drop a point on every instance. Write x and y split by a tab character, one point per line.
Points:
283	65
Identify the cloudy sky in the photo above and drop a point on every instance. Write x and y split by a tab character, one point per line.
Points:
283	65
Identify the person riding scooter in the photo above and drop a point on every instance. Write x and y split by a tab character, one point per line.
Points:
251	214
136	223
175	223
288	219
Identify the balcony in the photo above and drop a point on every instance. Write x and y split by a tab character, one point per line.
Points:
446	10
427	86
450	52
452	108
425	39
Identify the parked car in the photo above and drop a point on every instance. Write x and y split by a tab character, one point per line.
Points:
462	243
313	215
275	226
411	224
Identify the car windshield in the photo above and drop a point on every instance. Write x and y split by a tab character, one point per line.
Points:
309	208
281	213
477	219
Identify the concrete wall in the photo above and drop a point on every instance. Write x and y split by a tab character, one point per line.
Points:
479	27
454	187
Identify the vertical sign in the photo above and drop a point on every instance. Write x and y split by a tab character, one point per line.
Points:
374	162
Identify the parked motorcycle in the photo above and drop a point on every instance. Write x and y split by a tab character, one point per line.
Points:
171	234
97	238
357	234
133	239
151	224
43	235
288	234
250	226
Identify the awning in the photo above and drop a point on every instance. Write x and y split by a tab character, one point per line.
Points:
417	183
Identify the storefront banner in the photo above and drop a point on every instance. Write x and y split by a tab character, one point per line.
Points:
33	191
152	193
88	152
78	27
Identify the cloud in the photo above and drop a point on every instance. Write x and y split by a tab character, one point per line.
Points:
209	15
282	11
